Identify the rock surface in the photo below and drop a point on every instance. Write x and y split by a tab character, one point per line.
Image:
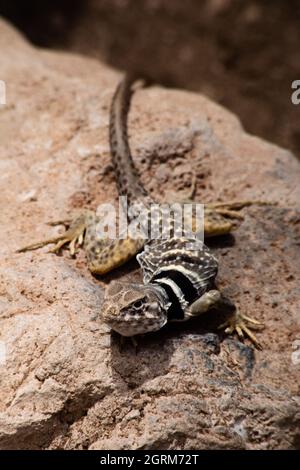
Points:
66	382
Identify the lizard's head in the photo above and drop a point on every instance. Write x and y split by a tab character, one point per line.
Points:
133	309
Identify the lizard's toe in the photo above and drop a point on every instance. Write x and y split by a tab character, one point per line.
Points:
242	325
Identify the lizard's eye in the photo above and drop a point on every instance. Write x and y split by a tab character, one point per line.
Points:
138	304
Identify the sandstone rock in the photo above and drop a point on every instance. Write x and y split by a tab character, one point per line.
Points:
66	382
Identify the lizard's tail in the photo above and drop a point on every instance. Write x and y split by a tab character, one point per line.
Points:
128	180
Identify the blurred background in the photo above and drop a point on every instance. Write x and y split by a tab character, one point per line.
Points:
244	54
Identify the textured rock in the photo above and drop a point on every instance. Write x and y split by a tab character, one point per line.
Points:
66	382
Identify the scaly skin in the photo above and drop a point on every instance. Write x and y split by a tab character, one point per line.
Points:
104	254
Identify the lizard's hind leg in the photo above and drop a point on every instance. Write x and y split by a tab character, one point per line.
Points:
106	254
231	209
74	236
220	218
103	254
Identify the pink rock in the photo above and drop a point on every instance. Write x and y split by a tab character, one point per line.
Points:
65	381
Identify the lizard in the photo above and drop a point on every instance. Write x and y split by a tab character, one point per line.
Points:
178	272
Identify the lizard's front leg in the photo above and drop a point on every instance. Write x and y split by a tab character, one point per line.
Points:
237	322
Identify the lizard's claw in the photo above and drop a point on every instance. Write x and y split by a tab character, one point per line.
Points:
65	222
242	324
72	239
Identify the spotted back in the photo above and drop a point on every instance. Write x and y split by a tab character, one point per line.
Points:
187	262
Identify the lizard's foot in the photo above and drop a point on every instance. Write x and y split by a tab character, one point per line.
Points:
231	209
220	218
73	237
242	325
